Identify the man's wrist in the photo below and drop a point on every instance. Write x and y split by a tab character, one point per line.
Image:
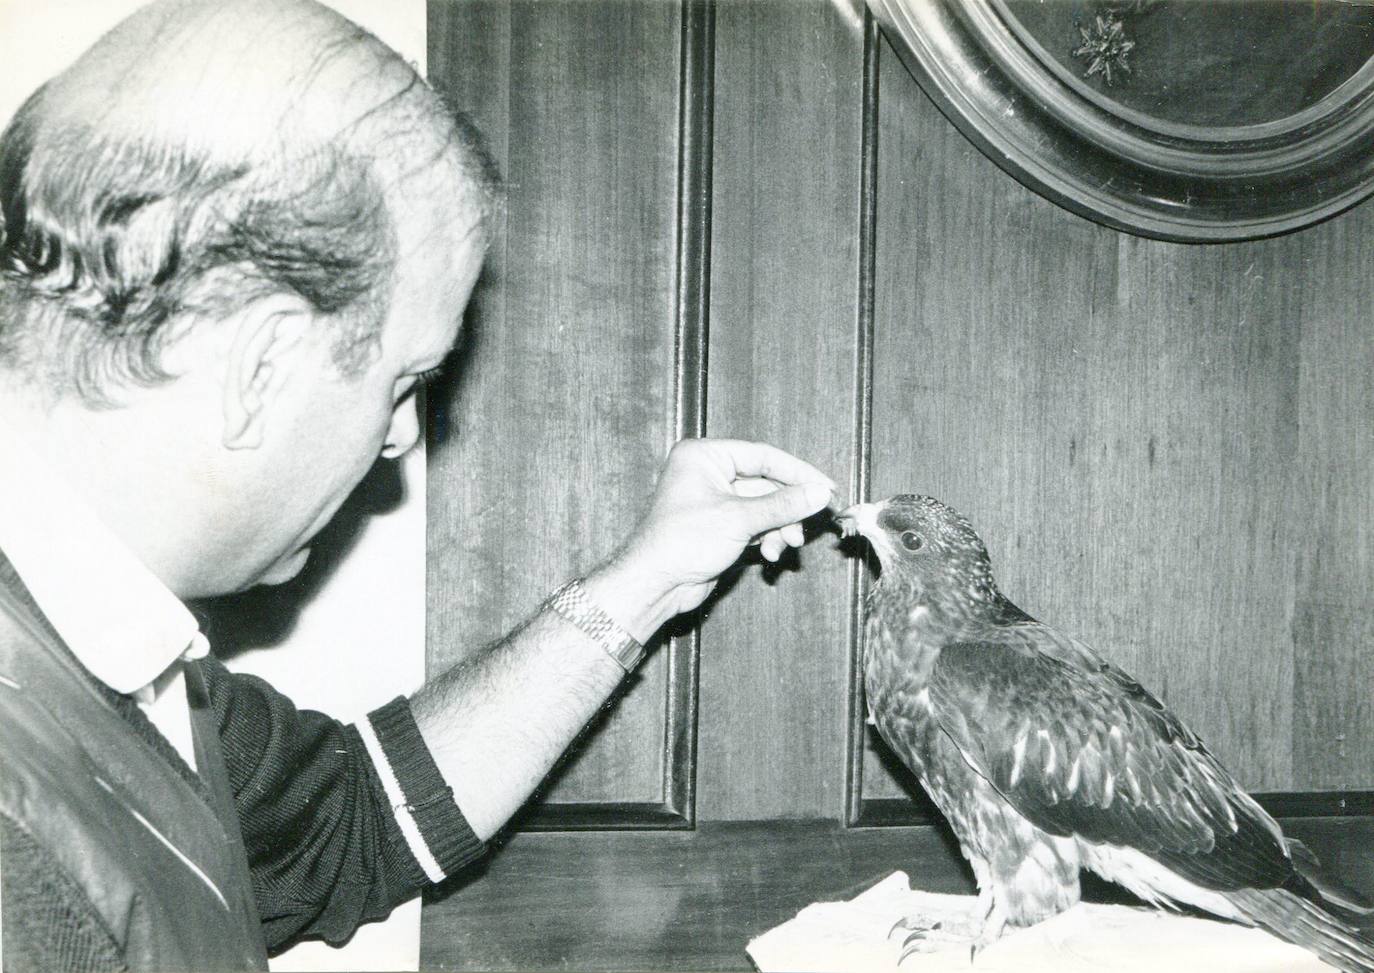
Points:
636	602
572	603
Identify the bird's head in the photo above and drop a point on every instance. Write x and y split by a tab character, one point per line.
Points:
925	543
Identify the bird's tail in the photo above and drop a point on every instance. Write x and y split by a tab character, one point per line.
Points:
1331	888
1303	919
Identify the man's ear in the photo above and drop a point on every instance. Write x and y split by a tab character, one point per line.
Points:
265	346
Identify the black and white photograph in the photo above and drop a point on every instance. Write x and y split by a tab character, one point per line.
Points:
794	486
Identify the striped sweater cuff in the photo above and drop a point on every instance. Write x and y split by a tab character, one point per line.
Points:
435	830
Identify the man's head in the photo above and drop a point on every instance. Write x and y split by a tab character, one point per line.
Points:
201	155
236	231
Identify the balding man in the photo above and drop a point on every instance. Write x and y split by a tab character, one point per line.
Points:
222	290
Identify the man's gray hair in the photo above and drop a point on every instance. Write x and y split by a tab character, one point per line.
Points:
163	175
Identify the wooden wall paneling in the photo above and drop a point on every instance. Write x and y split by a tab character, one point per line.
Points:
1167	449
1116	416
671	900
693	900
1209	534
547	441
784	251
1334	505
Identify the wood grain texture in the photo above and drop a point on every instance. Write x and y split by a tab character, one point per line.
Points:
1333	632
547	442
667	901
1116	416
783	293
1166	447
692	901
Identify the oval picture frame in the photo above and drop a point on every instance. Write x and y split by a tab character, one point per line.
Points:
1124	167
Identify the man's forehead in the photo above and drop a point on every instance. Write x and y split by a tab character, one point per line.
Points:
437	204
433	283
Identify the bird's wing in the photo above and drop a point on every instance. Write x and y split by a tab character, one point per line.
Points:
1081	749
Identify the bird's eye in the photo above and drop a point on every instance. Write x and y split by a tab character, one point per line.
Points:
912	541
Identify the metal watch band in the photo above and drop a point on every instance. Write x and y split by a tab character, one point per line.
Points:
572	603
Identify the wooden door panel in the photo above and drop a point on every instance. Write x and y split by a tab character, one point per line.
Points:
783	297
693	900
547	441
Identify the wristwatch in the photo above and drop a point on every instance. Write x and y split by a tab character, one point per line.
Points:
571	602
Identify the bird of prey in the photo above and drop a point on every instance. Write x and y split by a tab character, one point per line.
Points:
1045	758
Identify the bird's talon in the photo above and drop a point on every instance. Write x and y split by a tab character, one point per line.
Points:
916	925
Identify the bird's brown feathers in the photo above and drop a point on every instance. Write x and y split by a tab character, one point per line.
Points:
1040	751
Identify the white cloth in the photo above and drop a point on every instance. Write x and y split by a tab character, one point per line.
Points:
850	937
118	619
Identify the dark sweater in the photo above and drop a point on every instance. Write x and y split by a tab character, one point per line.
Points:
324	850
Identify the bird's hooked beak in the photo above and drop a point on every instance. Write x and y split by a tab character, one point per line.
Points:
862	518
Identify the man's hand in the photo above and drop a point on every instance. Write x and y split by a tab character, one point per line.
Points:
714	498
497	722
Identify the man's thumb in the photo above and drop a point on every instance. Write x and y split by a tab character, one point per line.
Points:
783	506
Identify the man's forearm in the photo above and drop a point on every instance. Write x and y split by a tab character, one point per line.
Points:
497	723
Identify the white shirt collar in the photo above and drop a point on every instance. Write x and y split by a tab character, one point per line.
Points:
115	615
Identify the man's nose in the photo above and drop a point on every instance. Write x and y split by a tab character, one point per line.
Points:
404	432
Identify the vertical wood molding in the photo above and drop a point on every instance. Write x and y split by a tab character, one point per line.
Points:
695	129
860	462
690	333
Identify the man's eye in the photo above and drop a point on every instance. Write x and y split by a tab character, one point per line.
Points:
413	383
